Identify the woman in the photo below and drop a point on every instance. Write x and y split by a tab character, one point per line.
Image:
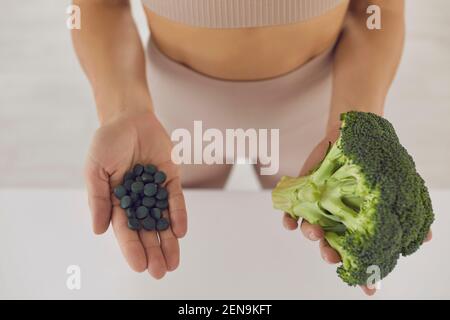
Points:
288	64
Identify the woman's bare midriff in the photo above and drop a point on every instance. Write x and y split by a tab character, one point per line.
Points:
247	53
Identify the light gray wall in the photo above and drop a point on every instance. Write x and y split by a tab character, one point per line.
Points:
47	114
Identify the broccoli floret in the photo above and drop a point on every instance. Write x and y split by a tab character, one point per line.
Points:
367	196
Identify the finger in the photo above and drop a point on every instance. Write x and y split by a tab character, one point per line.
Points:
311	231
368	291
289	223
99	195
129	241
328	253
170	246
156	263
429	236
177	207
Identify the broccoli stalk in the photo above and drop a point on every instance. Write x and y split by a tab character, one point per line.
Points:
330	196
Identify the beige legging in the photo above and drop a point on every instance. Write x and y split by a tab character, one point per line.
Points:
297	104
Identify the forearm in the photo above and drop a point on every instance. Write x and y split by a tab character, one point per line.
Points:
366	61
111	54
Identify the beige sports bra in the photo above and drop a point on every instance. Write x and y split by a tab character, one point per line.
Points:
239	13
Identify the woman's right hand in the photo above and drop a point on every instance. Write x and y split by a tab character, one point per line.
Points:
129	138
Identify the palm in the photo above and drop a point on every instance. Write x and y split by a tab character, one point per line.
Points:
116	147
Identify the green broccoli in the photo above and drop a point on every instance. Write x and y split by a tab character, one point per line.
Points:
367	196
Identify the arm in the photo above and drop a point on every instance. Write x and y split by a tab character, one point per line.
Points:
365	63
111	54
366	60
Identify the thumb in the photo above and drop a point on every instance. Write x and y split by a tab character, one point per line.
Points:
99	195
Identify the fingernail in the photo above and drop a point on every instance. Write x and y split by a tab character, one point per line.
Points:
313	236
325	257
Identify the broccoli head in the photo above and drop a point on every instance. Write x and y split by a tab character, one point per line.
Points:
367	196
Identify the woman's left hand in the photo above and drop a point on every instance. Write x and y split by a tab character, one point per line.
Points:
315	232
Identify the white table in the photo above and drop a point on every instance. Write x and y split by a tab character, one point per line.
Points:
236	248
